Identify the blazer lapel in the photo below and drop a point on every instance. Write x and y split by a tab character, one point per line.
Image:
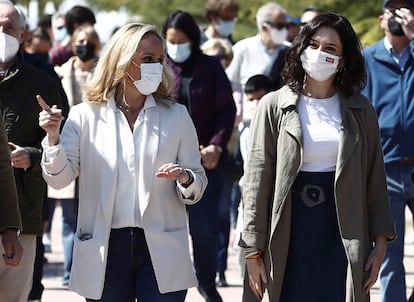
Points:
148	151
106	131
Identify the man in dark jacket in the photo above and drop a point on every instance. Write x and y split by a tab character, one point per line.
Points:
10	222
19	85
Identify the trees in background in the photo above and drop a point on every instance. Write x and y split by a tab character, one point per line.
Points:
362	14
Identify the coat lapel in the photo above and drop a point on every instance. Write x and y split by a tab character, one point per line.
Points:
290	118
148	151
106	130
348	135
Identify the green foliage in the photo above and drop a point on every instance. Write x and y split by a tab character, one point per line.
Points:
362	14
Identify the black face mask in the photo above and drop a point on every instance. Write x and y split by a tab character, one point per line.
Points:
85	52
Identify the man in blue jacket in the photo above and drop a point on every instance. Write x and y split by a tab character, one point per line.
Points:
390	86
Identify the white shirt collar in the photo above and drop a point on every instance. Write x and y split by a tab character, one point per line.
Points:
149	102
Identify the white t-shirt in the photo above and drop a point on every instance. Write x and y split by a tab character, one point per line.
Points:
321	123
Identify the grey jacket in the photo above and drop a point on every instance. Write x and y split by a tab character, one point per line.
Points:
276	146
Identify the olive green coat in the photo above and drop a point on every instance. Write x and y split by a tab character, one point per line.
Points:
276	146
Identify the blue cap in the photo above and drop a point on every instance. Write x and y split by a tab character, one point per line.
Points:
291	19
409	2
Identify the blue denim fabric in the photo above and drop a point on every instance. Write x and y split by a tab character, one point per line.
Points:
203	221
129	271
401	192
69	222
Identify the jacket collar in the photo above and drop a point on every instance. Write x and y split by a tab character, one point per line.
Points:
291	98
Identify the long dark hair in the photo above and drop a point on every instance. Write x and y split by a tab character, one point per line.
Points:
184	22
351	76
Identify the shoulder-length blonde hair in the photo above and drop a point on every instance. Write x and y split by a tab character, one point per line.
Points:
114	60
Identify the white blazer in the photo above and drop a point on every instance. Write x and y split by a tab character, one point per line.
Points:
88	148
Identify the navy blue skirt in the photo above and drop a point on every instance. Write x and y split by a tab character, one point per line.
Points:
316	264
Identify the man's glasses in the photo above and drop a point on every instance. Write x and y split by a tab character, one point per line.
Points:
277	25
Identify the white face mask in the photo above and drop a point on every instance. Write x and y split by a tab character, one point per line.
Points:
151	77
178	52
278	36
224	28
9	46
319	65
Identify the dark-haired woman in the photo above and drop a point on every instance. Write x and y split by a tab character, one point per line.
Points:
202	86
316	213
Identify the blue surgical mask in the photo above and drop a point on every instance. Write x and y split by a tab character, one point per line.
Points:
224	28
179	52
60	34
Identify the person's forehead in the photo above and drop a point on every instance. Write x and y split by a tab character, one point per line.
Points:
81	36
59	22
278	15
150	43
327	35
8	13
228	12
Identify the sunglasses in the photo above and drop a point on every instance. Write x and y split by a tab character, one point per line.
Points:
277	25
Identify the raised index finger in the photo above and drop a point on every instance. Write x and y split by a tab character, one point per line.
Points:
43	104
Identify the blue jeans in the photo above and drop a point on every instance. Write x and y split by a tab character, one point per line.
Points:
129	271
203	220
401	193
69	222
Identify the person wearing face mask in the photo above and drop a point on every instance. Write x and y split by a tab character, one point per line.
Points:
202	86
136	152
263	53
221	16
74	73
390	87
63	27
19	84
60	51
316	212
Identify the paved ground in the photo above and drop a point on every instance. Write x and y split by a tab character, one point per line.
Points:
55	292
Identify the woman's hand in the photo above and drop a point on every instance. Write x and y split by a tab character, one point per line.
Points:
174	172
257	275
50	120
374	262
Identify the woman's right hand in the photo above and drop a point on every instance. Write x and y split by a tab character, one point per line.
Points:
50	120
257	276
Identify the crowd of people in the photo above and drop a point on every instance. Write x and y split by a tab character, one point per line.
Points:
292	146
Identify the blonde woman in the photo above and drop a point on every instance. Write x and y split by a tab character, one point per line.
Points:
136	153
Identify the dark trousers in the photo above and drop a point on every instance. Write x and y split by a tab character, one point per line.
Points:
129	271
224	225
203	221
